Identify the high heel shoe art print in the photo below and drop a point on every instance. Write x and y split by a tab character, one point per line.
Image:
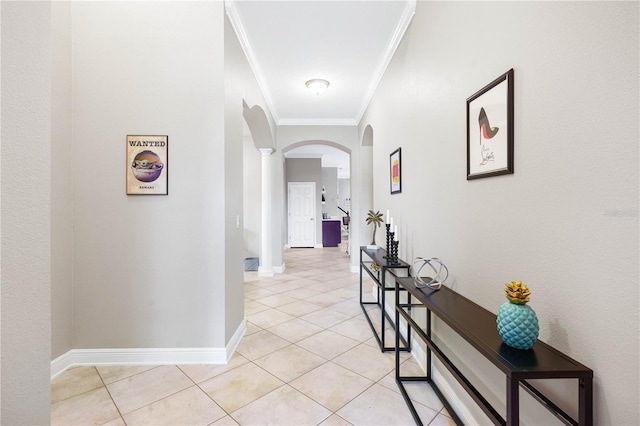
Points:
485	128
486	132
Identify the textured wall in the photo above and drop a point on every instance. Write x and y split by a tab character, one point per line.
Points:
234	62
149	271
26	213
566	222
61	184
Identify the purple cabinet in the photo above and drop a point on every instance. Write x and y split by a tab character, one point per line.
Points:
330	233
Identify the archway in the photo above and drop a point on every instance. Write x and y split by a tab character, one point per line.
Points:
258	124
327	164
262	138
367	136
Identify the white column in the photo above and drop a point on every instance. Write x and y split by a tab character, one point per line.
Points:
266	258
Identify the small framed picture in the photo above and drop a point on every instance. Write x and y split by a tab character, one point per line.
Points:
395	163
490	129
147	165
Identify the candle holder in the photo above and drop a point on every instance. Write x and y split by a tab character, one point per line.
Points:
388	226
392	258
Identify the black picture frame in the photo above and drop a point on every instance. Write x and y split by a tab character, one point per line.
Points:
395	171
490	129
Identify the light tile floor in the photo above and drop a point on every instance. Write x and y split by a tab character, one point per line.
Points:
308	358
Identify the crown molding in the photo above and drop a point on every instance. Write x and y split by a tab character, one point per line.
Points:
238	27
317	122
401	29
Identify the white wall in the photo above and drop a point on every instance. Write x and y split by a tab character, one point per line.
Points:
258	133
26	212
330	184
344	192
61	183
566	223
244	86
252	197
149	271
238	84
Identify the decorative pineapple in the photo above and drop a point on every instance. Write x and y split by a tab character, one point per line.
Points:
517	322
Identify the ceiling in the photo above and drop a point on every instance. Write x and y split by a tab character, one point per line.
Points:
349	43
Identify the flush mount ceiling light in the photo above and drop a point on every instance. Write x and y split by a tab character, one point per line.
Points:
317	85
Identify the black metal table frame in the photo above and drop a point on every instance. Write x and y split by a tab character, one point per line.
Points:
514	379
401	379
378	257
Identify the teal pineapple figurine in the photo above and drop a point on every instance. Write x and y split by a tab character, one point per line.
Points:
517	322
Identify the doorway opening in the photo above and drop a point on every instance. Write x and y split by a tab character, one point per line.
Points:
327	165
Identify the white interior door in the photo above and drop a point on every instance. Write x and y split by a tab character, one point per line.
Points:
302	214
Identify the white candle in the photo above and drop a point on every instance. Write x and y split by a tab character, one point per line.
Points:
391	223
386	218
395	232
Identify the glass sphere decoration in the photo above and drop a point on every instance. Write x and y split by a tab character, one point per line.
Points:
517	322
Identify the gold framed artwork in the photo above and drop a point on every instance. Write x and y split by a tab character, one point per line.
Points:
147	165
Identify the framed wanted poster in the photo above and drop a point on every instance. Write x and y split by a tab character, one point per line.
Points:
147	171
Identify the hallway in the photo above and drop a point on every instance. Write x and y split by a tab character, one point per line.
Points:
308	358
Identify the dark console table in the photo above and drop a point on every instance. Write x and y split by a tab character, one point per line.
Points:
378	257
478	327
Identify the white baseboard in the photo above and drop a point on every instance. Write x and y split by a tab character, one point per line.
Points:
318	246
418	353
443	384
445	387
235	340
149	356
265	271
61	363
279	269
354	268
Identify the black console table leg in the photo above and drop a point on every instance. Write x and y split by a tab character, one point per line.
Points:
428	347
585	404
361	277
513	402
384	285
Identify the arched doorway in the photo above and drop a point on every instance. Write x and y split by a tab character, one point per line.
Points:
325	166
259	132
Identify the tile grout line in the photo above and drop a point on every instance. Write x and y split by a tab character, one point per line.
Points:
161	399
110	396
307	274
76	395
205	392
